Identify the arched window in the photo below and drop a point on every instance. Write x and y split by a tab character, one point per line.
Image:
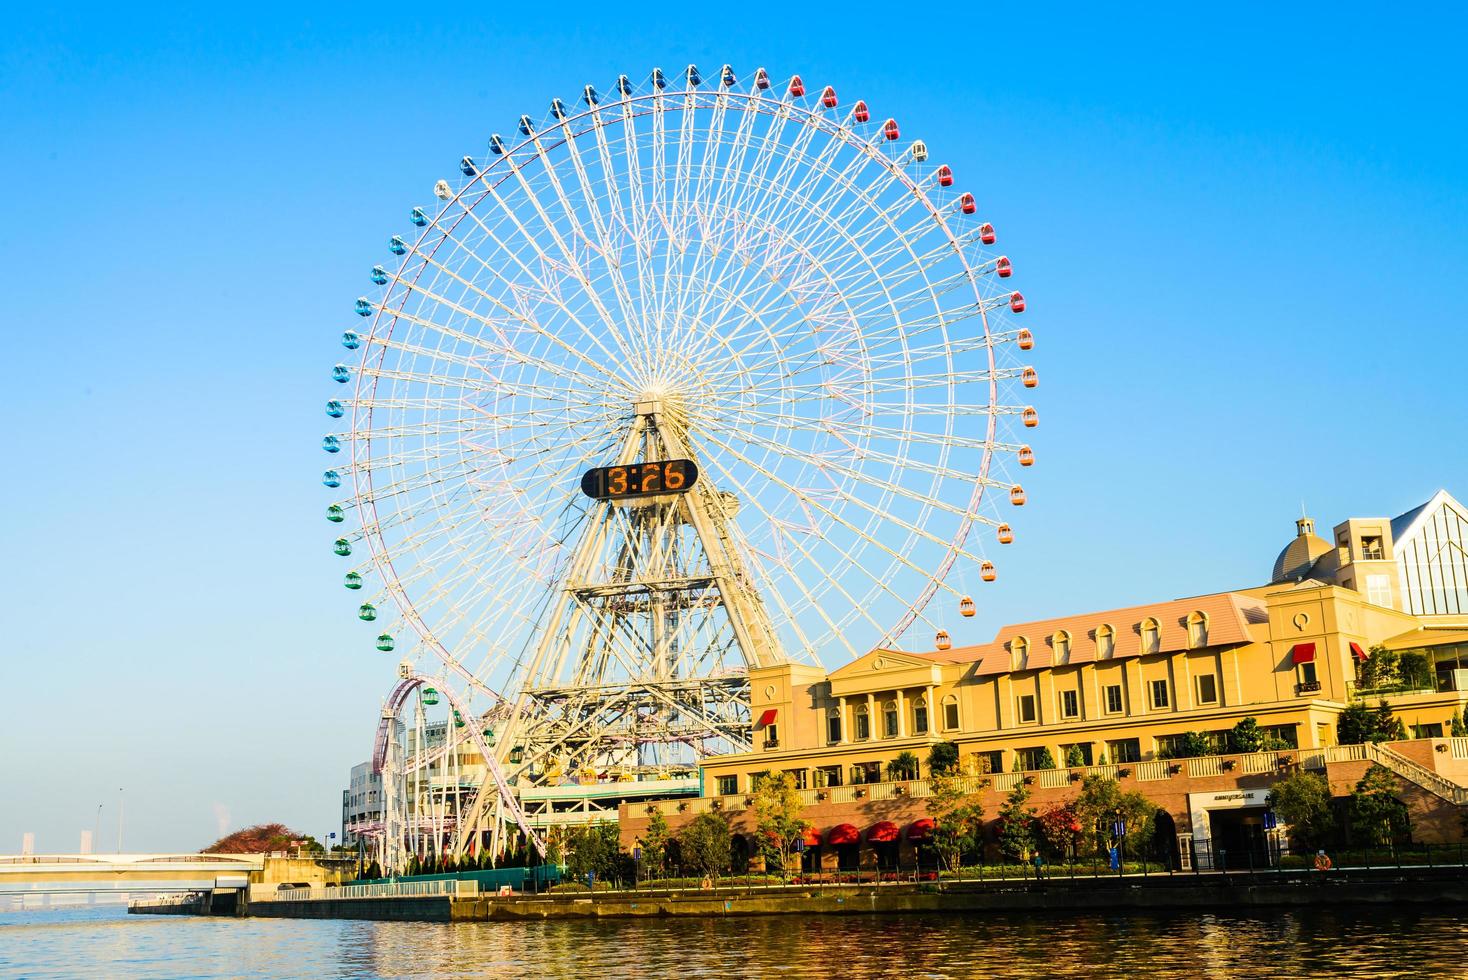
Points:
833	725
1151	636
950	713
1062	647
1105	641
1019	652
889	720
920	717
1197	629
863	723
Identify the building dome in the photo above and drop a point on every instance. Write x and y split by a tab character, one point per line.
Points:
1300	555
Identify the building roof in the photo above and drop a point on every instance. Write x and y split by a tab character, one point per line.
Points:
1404	524
1229	615
1301	554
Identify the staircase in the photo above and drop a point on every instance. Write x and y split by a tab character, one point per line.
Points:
1414	773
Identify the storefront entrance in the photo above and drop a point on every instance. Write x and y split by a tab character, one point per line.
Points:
1238	839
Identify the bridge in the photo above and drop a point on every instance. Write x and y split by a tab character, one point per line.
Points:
124	874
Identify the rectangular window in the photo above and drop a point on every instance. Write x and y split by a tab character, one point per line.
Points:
1035	757
889	722
1308	679
1434	730
799	776
950	715
1371	549
866	772
1113	699
1281	736
988	762
755	778
1070	704
863	726
833	727
728	785
828	776
1025	709
1379	590
1125	750
772	736
1159	694
1207	689
1078	754
920	720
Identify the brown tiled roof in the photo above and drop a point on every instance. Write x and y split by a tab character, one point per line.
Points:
1229	615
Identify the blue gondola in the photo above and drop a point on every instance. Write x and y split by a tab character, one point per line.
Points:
331	444
558	108
418	217
694	78
396	245
379	275
341	374
363	307
589	96
331	478
335	409
726	75
526	127
351	340
624	85
658	78
497	144
466	167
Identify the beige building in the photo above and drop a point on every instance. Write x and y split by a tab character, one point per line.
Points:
1117	691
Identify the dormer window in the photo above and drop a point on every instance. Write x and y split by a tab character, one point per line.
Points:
1105	641
1062	647
1019	650
1151	636
1197	629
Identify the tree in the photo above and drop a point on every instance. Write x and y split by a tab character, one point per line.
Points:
593	848
373	871
1075	757
1302	801
1057	829
943	758
1044	759
655	843
905	766
957	818
1098	806
1017	824
1380	668
1246	736
706	844
1188	745
259	839
1377	816
1358	723
1414	670
1458	729
777	807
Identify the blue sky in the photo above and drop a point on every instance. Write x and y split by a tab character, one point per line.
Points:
1241	238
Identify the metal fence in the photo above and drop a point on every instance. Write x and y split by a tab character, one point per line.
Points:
441	888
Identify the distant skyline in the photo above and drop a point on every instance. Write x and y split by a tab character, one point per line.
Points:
1240	237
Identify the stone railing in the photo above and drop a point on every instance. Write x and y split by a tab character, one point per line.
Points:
1459	747
1149	771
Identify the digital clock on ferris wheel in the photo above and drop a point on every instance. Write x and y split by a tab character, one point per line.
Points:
646	479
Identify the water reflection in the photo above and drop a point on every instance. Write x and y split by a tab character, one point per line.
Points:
1377	942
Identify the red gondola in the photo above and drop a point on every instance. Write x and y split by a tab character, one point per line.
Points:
828	97
797	87
859	112
986	233
1026	456
1031	417
1017	495
945	176
761	79
1025	339
1006	536
1031	378
890	130
1003	267
987	573
1017	302
966	203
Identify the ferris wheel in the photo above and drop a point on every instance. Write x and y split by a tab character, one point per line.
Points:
681	346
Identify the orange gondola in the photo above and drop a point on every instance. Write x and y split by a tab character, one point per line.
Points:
1031	417
942	640
966	606
1017	495
1006	534
1030	377
1026	456
986	571
1025	339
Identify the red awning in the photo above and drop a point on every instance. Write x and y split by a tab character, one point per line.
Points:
768	718
1303	653
1358	653
884	832
921	829
843	833
812	837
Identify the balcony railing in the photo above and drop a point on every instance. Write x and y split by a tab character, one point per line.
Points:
1307	687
